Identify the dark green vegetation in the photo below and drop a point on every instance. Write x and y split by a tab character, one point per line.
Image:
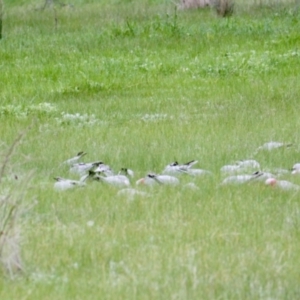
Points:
139	84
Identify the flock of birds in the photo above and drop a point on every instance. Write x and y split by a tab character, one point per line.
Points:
242	172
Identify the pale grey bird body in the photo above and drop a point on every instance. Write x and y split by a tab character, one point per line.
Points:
296	169
63	184
174	169
272	145
83	168
114	180
154	179
282	184
243	178
105	169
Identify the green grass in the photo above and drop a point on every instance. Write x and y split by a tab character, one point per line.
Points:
152	86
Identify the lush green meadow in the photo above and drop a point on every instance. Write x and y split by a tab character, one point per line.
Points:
138	84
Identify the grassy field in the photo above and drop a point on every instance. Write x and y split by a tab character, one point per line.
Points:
138	84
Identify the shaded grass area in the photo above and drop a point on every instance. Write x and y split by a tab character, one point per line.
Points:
140	86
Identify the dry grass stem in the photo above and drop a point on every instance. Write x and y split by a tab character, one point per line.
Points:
1	18
10	211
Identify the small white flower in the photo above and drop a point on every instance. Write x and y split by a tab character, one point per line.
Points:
75	265
90	223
